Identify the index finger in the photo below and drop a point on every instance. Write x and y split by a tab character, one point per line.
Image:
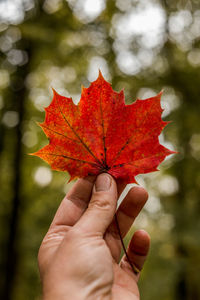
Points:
75	203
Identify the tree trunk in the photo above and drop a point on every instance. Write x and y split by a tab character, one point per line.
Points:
18	96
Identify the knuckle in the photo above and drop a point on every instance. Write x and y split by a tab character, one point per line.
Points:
73	234
101	201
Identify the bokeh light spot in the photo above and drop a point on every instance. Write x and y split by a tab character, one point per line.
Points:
10	118
43	176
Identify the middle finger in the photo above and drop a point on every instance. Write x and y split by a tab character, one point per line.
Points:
126	214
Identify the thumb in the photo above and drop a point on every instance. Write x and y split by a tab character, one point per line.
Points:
102	206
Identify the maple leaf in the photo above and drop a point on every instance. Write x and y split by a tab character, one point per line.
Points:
103	134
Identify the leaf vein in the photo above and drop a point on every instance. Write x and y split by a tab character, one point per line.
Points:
103	129
76	134
73	140
72	158
129	140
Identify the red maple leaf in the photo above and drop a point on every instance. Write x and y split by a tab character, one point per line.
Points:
103	134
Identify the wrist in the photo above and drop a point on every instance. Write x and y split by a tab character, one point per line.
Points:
75	296
68	291
65	291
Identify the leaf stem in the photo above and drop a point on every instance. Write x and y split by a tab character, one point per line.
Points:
134	268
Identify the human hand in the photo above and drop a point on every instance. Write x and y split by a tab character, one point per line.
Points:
79	256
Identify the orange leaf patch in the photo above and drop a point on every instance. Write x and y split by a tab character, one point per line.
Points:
103	134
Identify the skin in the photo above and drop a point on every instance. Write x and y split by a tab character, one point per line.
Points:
79	257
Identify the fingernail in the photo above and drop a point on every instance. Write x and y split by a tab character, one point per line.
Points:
103	183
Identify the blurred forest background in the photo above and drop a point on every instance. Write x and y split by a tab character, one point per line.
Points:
143	46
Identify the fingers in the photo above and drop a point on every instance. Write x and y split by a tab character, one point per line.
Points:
129	209
137	252
74	203
70	210
126	214
102	206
